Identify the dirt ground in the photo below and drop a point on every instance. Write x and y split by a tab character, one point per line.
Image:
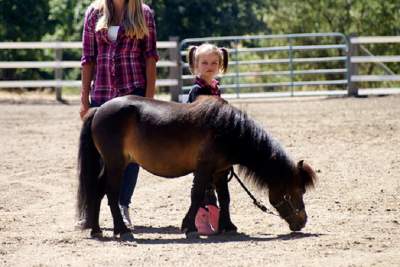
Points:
354	144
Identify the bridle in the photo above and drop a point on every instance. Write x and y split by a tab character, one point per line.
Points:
284	207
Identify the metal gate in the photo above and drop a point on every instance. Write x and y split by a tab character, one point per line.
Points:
277	65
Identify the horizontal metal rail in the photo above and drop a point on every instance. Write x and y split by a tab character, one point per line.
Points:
283	48
67	83
262	37
379	91
302	83
374	59
278	84
260	95
375	40
64	45
286	48
375	78
62	64
274	73
284	61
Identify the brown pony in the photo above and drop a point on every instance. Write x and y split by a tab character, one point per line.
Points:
169	139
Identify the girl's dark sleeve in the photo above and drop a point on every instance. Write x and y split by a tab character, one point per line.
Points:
194	93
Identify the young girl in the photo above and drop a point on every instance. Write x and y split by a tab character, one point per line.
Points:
206	62
118	58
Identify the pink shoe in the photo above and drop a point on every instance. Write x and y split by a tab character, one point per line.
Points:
202	222
206	220
213	217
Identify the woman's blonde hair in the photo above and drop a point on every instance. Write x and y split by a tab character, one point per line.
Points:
133	19
194	52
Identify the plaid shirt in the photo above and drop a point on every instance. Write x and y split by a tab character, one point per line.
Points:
120	65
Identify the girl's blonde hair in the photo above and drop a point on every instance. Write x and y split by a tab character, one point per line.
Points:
196	51
133	20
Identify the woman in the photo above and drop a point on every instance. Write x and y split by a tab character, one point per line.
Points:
118	58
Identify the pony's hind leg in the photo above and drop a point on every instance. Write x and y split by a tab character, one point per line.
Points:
225	222
96	231
115	169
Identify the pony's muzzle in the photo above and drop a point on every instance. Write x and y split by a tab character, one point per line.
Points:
298	221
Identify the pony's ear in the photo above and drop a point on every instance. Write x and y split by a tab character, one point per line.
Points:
308	176
300	164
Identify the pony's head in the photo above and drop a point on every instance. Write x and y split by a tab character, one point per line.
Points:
287	199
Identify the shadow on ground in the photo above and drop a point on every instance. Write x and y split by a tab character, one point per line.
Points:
221	238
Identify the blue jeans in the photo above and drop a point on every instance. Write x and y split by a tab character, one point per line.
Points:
132	170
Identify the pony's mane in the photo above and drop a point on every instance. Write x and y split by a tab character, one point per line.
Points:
261	158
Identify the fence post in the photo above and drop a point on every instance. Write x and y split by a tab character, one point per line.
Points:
58	73
291	67
237	69
352	89
174	72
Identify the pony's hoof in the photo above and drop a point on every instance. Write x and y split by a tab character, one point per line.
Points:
81	225
229	229
127	237
97	234
230	232
192	235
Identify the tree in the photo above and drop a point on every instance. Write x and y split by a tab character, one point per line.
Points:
23	20
362	17
185	19
68	17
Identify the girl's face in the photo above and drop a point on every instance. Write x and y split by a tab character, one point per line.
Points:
208	66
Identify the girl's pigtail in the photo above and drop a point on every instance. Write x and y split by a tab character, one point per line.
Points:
191	59
225	60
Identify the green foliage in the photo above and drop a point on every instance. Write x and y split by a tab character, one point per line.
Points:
180	18
364	17
187	19
67	15
24	20
359	17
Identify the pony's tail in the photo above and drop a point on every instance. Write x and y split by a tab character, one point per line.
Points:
88	171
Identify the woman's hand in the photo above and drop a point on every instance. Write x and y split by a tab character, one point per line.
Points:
84	107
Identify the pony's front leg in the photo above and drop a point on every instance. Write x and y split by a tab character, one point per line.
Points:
225	222
197	195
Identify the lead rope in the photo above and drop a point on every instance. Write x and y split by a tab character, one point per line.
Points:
255	201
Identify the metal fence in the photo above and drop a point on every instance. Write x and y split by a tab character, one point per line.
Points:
260	66
169	61
294	65
360	55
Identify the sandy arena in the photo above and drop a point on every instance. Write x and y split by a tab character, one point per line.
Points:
354	211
